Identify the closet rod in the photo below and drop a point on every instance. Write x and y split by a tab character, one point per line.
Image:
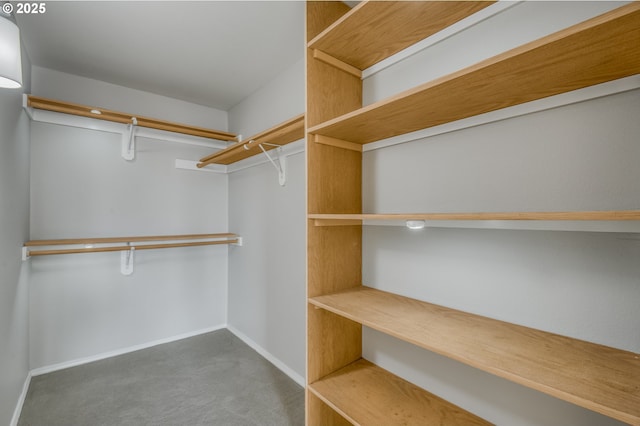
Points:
226	238
124	248
61	242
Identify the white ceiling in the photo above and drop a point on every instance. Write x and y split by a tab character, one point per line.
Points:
212	53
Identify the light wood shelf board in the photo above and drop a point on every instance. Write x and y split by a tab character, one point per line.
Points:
126	118
281	134
318	413
596	377
334	179
340	247
598	50
321	15
365	394
603	215
374	30
337	337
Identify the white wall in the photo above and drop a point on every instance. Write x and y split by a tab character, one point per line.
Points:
14	231
512	27
72	88
267	275
580	284
279	100
80	305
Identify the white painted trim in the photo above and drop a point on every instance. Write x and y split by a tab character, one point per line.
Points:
605	89
268	356
452	30
23	396
80	361
62	119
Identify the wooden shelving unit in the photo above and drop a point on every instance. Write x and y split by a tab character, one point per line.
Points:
280	135
125	118
365	394
596	51
341	387
593	376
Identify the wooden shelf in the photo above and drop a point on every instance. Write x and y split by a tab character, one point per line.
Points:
368	395
601	49
282	134
356	219
125	118
374	30
596	377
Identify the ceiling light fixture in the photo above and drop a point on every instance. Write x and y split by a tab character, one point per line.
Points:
10	58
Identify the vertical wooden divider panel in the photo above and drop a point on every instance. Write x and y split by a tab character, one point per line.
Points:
334	183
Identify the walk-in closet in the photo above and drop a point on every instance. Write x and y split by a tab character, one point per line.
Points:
320	213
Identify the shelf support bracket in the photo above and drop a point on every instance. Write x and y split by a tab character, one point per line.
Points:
128	141
281	166
126	261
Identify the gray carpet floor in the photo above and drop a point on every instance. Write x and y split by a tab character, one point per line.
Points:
210	379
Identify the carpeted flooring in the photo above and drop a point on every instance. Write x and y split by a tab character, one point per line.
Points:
211	379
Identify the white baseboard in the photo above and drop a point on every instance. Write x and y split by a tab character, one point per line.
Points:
272	359
80	361
20	403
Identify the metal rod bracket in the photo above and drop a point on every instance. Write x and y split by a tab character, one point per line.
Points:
126	261
128	141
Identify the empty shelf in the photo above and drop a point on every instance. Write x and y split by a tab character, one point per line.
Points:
598	50
375	30
373	396
597	377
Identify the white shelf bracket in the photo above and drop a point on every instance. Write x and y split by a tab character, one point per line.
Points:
239	243
281	166
126	261
129	141
25	253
